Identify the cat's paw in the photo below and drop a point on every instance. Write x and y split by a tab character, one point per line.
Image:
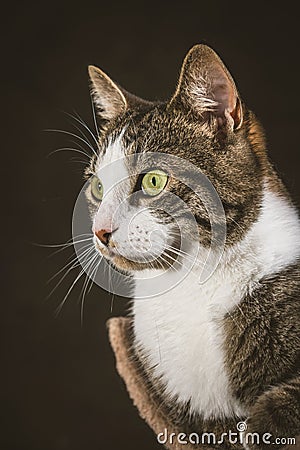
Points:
273	421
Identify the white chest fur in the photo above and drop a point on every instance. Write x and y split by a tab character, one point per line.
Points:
180	331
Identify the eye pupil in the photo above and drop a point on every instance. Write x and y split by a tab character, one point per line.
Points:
154	182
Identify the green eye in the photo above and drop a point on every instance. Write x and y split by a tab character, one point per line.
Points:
154	182
96	188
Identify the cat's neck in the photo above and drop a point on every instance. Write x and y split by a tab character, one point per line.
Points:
271	244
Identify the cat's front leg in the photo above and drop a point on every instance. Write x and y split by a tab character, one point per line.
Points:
274	419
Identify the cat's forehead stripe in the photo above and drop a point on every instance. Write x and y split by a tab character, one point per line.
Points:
111	166
113	151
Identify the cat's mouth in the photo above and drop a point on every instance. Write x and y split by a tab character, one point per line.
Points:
164	261
107	252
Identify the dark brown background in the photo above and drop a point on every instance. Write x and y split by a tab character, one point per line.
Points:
59	388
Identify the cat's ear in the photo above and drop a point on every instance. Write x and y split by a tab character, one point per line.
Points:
206	87
108	97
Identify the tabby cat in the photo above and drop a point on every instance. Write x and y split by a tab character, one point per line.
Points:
226	349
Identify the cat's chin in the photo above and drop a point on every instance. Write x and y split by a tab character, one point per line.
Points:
128	265
122	263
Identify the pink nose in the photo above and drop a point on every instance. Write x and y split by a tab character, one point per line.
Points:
104	235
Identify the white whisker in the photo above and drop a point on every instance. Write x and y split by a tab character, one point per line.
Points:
83	123
74	258
94	116
76	263
89	275
84	136
84	269
73	135
69	149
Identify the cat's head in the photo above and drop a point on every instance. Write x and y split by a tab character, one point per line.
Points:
141	201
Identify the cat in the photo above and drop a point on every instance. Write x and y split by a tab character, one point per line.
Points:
226	349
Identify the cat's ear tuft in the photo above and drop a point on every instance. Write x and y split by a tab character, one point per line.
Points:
206	86
108	98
